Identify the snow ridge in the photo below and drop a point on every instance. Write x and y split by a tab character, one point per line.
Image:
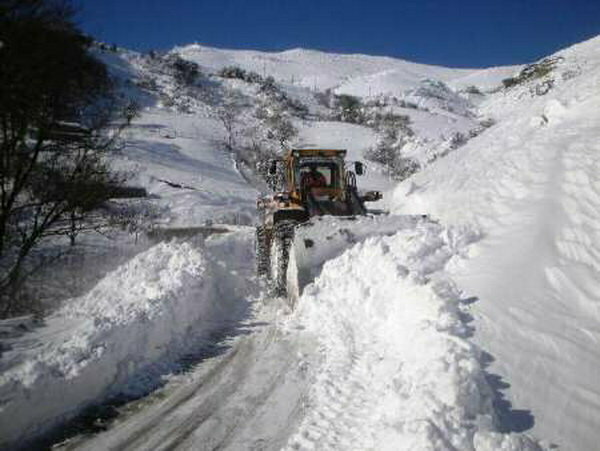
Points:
119	338
398	370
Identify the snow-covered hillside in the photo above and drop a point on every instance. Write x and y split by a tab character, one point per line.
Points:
351	74
531	186
466	319
179	144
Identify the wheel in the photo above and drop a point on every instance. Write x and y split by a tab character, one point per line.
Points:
264	237
283	234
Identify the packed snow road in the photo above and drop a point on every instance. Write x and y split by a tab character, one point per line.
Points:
376	355
248	398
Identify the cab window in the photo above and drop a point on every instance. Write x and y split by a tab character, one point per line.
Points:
327	170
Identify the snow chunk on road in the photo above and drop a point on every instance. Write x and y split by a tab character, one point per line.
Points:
398	370
116	339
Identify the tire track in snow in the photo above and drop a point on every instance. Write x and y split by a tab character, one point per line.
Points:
150	435
254	393
342	385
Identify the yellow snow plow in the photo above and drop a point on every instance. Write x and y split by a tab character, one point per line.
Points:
308	183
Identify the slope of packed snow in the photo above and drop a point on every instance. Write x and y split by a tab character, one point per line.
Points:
531	186
120	337
397	80
188	151
179	157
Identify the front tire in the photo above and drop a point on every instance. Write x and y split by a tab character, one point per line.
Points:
264	237
283	235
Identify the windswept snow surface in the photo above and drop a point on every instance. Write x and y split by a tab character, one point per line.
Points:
531	186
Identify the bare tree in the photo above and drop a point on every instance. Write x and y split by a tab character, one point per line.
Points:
281	129
57	112
388	153
136	217
228	113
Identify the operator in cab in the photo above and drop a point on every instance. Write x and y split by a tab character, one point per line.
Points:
313	178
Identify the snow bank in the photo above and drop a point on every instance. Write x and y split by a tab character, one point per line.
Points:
397	370
531	185
119	337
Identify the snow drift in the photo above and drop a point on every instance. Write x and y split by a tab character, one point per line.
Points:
120	337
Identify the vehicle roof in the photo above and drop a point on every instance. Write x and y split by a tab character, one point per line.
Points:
317	152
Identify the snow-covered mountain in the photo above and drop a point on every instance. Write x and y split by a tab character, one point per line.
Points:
466	319
348	74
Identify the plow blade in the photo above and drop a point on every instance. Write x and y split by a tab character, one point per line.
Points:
326	237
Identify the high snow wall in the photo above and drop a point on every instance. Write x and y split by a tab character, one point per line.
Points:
118	339
530	185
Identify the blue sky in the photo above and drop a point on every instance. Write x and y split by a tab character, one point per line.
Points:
465	33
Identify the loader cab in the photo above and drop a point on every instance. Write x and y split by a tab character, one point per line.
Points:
329	163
